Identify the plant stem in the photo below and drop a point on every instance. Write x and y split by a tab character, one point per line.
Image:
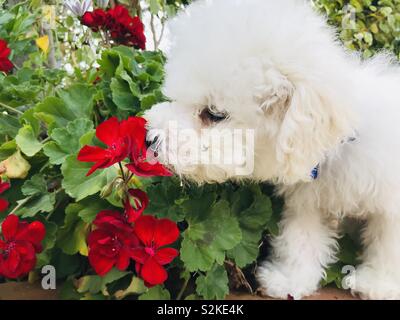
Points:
11	109
182	291
21	204
122	172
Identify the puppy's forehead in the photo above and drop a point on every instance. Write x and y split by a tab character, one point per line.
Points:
212	38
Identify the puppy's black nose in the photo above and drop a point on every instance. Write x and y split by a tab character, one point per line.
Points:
152	143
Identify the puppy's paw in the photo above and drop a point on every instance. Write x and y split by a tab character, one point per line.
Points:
372	284
280	282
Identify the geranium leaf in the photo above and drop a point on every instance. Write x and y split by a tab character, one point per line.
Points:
78	98
207	239
66	140
77	184
72	235
27	141
155	293
213	285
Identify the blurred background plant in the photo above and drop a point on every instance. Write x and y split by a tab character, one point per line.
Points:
365	25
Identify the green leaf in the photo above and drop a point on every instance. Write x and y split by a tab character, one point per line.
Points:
207	239
77	184
7	149
122	95
66	140
72	235
38	200
163	199
156	293
213	285
78	99
9	125
35	185
40	204
91	206
135	287
53	112
95	284
254	211
27	141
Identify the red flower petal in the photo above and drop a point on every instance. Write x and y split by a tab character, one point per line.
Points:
91	154
135	129
3	205
139	255
9	227
99	165
108	131
144	228
166	232
109	218
146	169
153	273
4	186
141	201
166	255
5	65
100	264
123	259
12	261
34	233
88	19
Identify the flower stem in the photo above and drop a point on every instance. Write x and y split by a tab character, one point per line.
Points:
182	291
11	109
21	204
122	172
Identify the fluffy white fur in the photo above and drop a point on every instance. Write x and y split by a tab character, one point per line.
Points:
276	67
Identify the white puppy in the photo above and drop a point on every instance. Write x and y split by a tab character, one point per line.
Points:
276	67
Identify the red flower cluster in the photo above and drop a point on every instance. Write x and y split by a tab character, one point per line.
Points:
5	64
121	27
152	255
114	242
3	187
123	139
21	241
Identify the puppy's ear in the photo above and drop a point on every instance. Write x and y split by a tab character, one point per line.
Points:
274	97
315	122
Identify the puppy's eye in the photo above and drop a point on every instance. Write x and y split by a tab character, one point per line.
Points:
210	115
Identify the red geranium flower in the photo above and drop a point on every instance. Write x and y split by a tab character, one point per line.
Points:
151	257
113	134
135	202
122	138
5	64
143	168
112	243
21	241
95	20
3	187
125	29
117	21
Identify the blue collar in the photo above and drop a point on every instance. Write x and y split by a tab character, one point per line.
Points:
315	172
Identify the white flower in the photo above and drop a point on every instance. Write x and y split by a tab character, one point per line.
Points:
102	3
78	7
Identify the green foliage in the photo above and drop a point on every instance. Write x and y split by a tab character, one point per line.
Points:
365	25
